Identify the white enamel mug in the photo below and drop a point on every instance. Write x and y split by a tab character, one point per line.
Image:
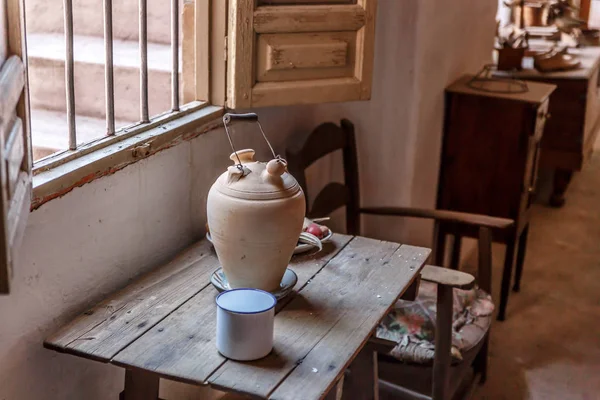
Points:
245	319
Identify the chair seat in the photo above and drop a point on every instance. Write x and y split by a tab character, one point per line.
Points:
411	324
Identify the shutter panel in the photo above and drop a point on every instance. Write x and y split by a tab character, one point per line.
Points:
15	147
299	54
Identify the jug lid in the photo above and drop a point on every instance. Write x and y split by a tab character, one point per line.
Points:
256	180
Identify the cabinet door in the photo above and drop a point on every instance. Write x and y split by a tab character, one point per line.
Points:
297	52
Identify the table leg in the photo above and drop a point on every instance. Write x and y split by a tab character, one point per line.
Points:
363	381
521	258
411	293
509	258
336	392
440	245
455	255
140	385
562	178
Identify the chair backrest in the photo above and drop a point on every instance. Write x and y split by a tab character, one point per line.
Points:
325	139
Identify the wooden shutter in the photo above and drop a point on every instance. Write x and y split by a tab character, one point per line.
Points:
299	53
15	148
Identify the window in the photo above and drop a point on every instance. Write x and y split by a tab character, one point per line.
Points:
236	53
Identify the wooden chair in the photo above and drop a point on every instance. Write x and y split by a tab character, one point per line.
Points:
373	366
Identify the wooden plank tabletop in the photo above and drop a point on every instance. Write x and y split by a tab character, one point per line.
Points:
164	323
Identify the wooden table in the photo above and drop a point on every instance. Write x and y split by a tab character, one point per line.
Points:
163	325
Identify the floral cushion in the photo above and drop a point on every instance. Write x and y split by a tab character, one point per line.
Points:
411	324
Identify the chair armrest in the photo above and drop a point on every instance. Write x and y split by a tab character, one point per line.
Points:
447	277
441	215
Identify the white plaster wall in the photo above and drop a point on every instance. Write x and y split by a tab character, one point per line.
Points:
82	246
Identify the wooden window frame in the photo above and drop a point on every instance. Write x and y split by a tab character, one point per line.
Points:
204	29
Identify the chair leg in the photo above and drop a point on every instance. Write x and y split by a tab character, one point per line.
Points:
521	258
363	380
443	343
336	392
455	255
481	360
440	245
140	385
507	275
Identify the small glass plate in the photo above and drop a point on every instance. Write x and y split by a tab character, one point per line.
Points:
288	282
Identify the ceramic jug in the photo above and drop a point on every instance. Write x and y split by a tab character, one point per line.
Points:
255	213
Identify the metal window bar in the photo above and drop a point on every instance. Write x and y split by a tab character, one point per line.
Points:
109	69
109	65
70	73
144	117
175	55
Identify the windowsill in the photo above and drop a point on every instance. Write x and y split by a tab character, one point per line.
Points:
59	174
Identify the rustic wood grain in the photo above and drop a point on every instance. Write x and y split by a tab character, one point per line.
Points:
304	56
240	65
189	352
341	295
12	81
16	183
308	18
365	48
202	37
315	72
218	53
15	152
305	92
362	277
17	47
384	280
17	209
183	266
181	347
323	2
150	307
447	277
189	52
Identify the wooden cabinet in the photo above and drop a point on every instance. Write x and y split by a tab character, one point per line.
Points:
569	138
490	154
